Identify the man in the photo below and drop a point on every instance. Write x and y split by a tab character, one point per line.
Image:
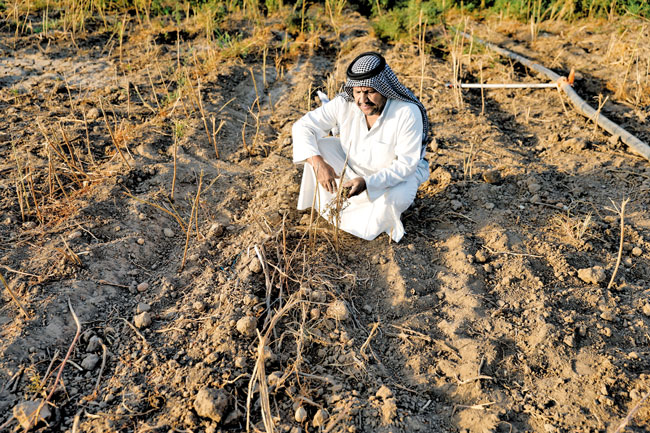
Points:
383	133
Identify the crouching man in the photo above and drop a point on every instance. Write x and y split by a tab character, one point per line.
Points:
383	130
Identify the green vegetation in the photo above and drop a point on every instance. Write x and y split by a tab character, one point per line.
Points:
392	19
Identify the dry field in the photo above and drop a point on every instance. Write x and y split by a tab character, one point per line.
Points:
147	190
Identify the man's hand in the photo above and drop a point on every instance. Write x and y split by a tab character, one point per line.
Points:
325	174
356	185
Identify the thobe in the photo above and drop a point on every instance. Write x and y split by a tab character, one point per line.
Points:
387	156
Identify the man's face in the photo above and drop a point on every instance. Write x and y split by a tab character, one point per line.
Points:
370	101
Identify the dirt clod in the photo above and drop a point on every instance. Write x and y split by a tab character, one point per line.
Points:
142	320
211	403
593	275
247	325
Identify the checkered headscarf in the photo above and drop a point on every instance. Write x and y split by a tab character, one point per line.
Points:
370	70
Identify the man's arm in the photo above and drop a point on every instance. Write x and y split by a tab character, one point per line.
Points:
312	126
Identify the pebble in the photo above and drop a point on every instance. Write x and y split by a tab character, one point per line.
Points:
142	287
300	415
492	176
384	392
240	362
455	204
90	362
93	344
198	306
274	378
338	310
489	205
320	418
168	232
140	241
534	188
143	307
142	320
216	230
247	325
646	309
92	114
607	315
636	251
77	234
314	313
318	296
594	275
211	403
480	256
24	413
255	266
569	340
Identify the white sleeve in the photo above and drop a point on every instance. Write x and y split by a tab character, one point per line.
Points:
312	126
407	154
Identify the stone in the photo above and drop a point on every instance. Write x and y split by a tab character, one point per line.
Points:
594	275
456	205
492	176
255	266
140	241
142	287
320	418
384	392
198	306
570	340
300	415
247	325
169	233
211	403
142	320
636	251
534	188
338	310
646	309
25	411
92	114
93	344
142	307
274	378
480	256
216	230
240	362
90	362
607	315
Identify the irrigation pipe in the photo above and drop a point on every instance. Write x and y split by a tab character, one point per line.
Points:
502	86
580	104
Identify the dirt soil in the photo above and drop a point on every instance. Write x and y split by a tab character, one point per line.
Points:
217	306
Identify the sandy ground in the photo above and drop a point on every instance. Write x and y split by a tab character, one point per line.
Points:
205	306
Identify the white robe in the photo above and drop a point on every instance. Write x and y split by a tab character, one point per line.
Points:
387	156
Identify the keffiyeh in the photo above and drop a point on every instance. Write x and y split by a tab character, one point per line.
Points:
370	70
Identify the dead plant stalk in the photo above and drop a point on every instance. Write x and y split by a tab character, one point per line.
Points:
189	226
63	363
14	297
621	214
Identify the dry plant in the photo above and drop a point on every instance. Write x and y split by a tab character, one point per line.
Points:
621	213
14	297
577	229
195	210
334	9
